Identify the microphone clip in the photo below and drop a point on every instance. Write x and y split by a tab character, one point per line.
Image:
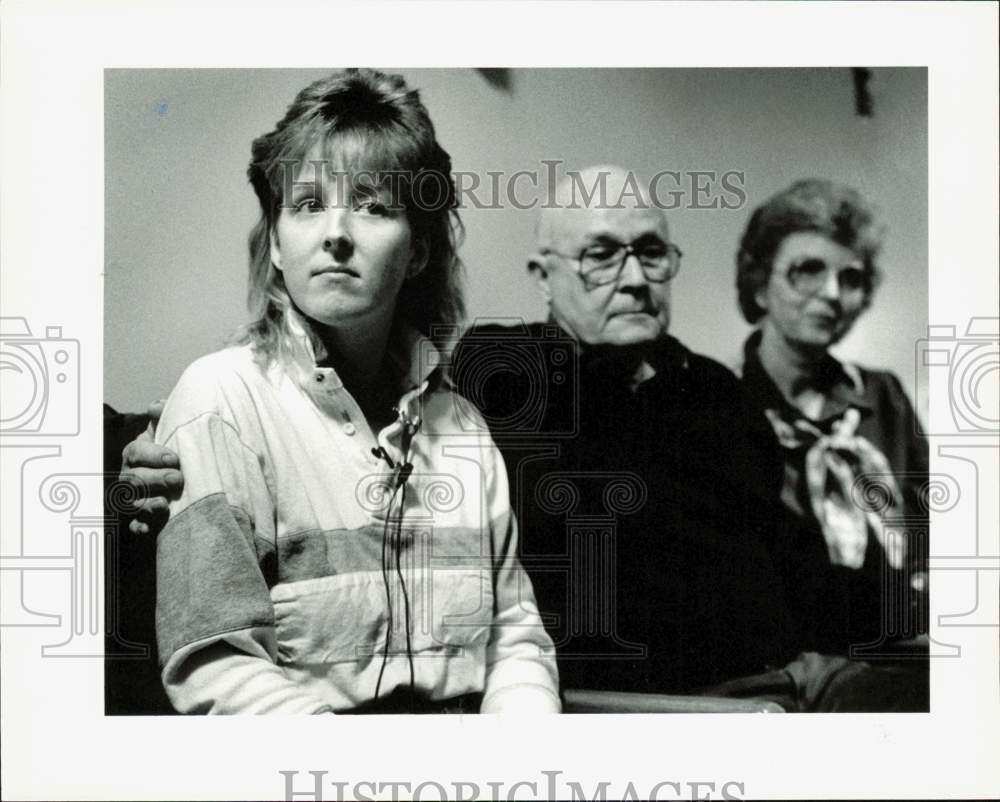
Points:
403	470
410	426
404	473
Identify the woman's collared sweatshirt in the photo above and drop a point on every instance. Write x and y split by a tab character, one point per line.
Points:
279	575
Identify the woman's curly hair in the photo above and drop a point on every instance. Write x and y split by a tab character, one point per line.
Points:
813	204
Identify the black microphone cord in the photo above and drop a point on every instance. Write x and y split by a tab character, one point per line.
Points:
400	478
388	595
402	582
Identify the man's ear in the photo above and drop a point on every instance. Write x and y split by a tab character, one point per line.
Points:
275	250
418	261
536	267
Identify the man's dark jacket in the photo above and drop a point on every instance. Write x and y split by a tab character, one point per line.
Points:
647	518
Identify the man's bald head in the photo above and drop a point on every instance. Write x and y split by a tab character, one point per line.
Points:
603	210
580	195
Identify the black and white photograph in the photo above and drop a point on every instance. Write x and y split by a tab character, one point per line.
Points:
582	429
403	512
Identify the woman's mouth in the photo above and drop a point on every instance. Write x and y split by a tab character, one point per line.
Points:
340	271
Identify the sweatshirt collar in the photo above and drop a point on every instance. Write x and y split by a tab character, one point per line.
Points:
414	358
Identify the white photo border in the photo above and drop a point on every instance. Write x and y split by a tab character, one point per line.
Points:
56	741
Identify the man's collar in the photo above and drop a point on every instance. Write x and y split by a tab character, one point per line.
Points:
667	358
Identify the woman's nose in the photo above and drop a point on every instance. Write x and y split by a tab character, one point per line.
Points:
831	285
337	238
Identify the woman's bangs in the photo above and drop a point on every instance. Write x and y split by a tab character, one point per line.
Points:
295	154
376	154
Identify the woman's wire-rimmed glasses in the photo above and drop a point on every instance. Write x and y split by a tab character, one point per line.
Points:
810	276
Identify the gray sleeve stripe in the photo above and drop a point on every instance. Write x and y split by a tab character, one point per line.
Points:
207	576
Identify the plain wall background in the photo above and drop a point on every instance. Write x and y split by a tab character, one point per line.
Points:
179	207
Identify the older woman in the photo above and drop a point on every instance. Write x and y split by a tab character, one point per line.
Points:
806	270
342	544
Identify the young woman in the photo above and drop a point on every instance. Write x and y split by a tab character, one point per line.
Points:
341	543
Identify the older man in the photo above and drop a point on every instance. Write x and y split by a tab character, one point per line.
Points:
646	486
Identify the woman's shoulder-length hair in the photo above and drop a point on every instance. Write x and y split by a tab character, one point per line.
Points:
369	122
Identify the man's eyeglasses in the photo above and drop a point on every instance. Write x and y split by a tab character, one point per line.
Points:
809	276
603	264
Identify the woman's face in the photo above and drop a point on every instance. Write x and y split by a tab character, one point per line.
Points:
815	292
343	251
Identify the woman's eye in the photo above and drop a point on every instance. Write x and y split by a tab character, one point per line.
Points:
369	205
812	267
309	206
851	278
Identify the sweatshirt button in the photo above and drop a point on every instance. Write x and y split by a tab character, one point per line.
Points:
349	428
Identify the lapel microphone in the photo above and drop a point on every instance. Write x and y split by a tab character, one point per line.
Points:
410	425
